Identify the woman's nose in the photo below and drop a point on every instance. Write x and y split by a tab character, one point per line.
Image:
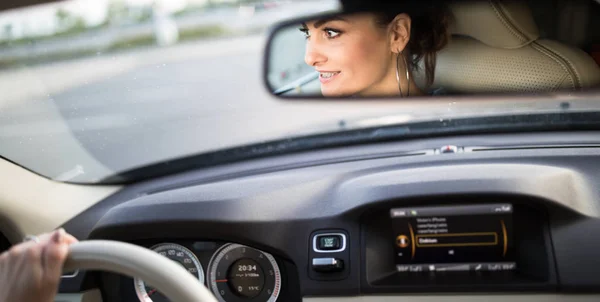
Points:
314	56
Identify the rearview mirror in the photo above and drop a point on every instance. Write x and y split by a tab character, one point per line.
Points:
341	55
427	48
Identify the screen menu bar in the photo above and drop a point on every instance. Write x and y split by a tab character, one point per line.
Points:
457	267
488	209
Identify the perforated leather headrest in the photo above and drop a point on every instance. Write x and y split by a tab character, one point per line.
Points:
505	24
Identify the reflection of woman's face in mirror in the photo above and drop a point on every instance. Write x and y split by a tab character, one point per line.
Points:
364	54
353	55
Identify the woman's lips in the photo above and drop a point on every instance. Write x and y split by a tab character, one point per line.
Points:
327	76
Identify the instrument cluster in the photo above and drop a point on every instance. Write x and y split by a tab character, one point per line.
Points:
233	272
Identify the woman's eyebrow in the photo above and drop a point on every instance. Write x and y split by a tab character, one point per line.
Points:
320	22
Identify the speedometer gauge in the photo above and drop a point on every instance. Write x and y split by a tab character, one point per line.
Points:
180	255
239	273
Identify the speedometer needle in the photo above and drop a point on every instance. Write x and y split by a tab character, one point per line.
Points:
220	281
150	293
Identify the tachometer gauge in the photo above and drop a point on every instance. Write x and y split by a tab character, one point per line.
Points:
177	253
240	273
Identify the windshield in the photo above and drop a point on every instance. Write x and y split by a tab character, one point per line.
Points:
94	88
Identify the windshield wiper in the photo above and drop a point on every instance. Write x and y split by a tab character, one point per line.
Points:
546	122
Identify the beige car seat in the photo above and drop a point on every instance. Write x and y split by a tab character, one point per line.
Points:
496	47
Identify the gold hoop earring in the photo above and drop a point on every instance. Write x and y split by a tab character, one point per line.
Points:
398	74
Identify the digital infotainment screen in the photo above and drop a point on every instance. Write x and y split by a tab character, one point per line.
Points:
453	238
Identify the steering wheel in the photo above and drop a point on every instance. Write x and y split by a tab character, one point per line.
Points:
166	276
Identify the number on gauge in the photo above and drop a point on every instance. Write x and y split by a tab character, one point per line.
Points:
181	256
240	273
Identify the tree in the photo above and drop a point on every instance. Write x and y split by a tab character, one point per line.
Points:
64	18
116	11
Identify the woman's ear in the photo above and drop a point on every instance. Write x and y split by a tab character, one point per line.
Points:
399	32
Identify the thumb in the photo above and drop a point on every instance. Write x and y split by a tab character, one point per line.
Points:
55	254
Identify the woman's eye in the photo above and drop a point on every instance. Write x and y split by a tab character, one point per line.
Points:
332	33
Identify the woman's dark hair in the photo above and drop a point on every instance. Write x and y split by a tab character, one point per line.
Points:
429	32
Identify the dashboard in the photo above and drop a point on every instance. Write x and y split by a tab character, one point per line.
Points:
478	215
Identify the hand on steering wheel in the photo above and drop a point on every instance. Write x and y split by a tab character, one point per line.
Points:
168	277
31	271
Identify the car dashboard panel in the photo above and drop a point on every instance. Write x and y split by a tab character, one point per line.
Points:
233	272
378	220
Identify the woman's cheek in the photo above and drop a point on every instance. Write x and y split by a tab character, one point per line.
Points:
361	59
342	59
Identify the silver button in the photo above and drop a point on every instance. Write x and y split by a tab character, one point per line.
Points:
324	261
327	265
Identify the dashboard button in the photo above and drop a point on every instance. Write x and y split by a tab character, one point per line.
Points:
326	265
329	243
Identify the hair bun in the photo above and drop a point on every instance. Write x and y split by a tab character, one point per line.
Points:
429	34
